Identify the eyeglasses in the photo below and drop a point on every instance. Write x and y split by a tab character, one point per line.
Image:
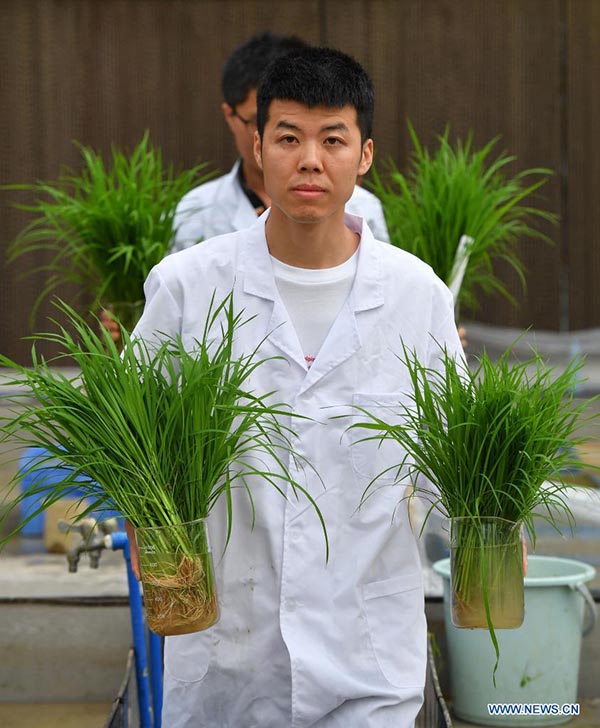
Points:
250	124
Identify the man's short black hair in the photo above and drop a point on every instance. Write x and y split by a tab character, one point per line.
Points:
245	66
318	77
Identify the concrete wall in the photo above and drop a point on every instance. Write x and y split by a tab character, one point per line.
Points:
62	653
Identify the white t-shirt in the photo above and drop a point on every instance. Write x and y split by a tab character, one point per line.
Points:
313	298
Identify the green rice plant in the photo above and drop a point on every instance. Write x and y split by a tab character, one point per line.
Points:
487	446
158	432
460	193
164	431
106	226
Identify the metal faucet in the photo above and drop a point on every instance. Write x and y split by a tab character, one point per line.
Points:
93	539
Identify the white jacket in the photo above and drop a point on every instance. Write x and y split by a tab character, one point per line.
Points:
300	642
220	206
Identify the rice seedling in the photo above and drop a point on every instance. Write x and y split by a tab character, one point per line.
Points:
105	226
161	434
487	446
458	193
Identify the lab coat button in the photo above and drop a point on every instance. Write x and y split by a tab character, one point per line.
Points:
291	605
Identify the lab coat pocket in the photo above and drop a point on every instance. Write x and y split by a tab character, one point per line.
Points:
372	457
187	657
397	628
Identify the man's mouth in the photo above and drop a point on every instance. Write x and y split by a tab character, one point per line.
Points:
308	191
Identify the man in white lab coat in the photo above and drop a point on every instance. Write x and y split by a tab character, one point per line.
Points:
233	201
302	642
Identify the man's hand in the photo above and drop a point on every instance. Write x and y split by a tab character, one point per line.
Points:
462	332
133	550
108	322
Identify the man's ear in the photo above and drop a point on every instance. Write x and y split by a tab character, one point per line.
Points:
257	150
366	159
228	114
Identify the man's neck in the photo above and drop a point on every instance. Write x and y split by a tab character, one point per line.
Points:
254	180
305	245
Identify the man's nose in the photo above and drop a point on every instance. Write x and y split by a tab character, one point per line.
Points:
310	158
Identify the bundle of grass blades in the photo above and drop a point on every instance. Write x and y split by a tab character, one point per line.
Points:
105	227
159	433
493	440
459	191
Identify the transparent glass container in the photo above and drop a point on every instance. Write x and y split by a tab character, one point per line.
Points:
178	579
486	567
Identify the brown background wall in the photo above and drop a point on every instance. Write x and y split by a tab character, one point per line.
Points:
102	71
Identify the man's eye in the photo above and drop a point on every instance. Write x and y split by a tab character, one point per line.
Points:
333	141
288	139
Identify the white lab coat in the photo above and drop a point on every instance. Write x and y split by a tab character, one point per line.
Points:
220	206
302	642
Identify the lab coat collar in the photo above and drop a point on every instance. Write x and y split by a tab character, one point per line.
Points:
343	339
367	291
256	262
242	211
260	281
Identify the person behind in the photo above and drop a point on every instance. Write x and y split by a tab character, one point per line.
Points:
233	201
302	642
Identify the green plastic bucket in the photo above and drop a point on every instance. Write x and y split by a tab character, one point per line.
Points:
539	661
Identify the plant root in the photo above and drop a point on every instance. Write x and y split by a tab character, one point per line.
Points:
181	602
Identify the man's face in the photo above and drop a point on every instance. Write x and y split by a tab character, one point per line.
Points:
241	120
311	158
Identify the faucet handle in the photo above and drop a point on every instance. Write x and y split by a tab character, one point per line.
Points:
64	526
86	527
108	526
